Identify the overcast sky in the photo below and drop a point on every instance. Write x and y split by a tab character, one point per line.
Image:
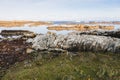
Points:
59	9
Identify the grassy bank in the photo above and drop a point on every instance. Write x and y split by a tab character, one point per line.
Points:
80	66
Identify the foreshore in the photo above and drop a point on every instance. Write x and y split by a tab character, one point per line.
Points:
14	50
93	41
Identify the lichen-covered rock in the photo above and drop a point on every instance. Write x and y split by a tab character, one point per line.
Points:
76	43
43	41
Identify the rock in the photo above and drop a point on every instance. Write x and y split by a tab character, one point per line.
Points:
112	33
25	33
43	41
29	50
30	40
76	43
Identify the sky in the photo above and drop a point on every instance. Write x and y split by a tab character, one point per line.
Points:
52	10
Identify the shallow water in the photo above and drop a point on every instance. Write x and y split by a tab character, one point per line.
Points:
38	29
117	26
43	29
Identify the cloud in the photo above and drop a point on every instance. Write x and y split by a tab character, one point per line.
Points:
59	9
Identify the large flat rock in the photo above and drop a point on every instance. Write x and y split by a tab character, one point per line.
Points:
111	33
75	42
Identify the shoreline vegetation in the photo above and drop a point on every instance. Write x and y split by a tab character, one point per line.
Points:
64	66
80	27
83	55
22	23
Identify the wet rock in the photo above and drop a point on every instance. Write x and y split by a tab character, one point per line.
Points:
25	33
76	43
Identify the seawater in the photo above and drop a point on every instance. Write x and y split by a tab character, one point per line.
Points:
35	29
42	29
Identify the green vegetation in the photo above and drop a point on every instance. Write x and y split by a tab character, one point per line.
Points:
80	66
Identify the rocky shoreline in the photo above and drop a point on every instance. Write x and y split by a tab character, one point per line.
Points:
14	50
93	41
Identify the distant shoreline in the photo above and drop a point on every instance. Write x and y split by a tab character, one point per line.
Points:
19	23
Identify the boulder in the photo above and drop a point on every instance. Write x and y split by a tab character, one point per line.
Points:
29	50
75	42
